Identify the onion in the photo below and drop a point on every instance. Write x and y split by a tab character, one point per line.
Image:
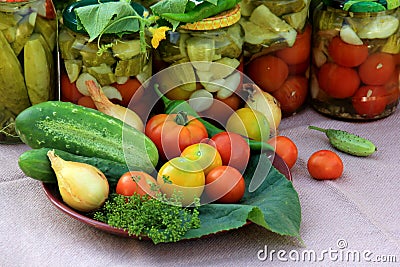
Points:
104	105
266	104
82	186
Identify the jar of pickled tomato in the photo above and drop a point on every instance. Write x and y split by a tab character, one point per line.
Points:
355	59
277	45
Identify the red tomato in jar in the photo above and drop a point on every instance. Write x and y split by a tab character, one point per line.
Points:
377	69
393	87
172	133
129	90
137	182
86	101
268	72
233	148
285	148
292	94
345	54
300	51
370	100
224	184
300	68
338	81
325	165
69	90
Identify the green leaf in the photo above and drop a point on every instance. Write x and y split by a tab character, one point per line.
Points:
96	18
169	6
274	205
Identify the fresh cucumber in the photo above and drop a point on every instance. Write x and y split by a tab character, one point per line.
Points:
347	142
34	163
85	132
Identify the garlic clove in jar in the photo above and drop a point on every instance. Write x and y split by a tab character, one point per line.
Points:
82	186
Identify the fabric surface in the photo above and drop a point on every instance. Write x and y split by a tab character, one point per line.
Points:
352	221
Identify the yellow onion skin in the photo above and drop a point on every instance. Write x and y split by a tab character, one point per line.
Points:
82	186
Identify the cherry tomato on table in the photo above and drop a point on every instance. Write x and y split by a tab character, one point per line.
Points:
224	184
377	69
325	165
268	72
285	148
233	148
337	81
172	133
137	182
347	55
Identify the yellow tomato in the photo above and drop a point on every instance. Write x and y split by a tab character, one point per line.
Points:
249	122
182	176
204	155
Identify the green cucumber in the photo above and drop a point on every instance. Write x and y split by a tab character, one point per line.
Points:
34	163
347	142
85	132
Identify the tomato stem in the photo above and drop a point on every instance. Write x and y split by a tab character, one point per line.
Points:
181	118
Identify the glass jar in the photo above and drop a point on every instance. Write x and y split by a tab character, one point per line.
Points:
212	51
276	47
27	57
355	59
119	69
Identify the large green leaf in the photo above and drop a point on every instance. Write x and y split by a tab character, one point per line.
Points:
274	205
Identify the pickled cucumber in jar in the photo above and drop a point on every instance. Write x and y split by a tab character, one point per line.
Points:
27	57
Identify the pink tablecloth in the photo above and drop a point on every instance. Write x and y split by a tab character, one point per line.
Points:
351	221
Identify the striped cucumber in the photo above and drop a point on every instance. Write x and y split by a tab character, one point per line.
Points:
85	132
348	142
34	163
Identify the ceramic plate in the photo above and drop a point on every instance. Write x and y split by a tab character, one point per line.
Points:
51	191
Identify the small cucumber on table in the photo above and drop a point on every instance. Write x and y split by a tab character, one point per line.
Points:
85	132
347	142
35	164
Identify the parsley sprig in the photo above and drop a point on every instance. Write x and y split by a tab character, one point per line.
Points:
161	219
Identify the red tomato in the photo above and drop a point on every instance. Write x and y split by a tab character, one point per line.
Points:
86	101
268	72
345	54
325	165
377	69
68	89
300	50
137	182
393	87
233	148
172	133
338	81
370	100
128	90
224	184
221	109
285	148
292	94
300	68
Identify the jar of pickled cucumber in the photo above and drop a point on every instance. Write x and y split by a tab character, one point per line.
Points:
201	62
28	31
117	62
356	59
276	47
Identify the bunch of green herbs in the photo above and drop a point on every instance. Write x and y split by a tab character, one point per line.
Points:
161	219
